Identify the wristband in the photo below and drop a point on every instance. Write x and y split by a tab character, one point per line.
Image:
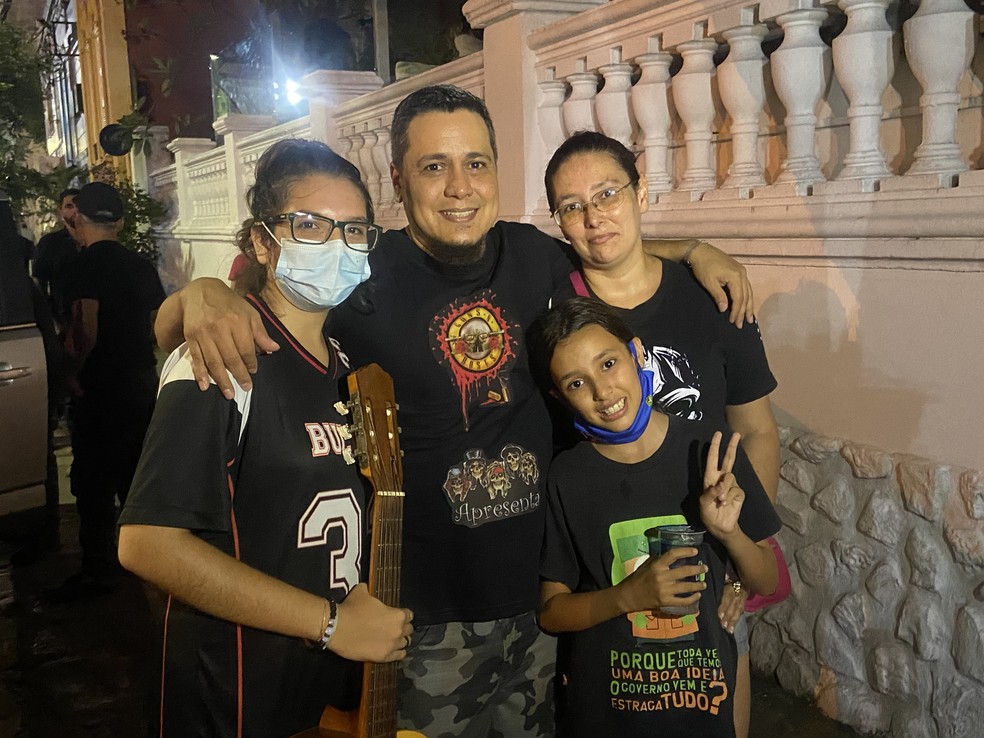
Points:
329	621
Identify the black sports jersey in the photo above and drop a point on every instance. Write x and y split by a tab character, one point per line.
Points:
262	478
638	674
475	428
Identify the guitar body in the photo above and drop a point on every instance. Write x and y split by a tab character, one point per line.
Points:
377	448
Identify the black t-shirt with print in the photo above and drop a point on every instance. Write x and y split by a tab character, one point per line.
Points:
700	360
638	674
476	433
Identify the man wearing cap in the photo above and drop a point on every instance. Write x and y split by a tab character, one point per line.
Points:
114	295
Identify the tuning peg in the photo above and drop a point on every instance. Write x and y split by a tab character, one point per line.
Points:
348	456
342	408
345	432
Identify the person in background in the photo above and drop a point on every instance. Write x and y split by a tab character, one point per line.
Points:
114	294
244	511
54	258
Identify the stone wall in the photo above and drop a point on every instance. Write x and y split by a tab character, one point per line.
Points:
884	627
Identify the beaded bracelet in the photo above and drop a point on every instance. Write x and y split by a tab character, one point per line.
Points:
329	620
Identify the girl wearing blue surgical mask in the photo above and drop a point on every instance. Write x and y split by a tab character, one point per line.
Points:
243	509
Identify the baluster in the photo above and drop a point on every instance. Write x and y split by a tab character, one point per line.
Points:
612	103
354	154
651	106
692	95
579	112
381	158
370	173
550	114
864	65
742	90
801	72
939	44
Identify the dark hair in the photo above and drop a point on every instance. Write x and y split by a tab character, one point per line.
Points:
434	99
280	166
560	322
589	142
70	192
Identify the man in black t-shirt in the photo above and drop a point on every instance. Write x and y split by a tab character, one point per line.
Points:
114	294
57	252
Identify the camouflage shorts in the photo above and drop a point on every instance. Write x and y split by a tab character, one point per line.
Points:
479	680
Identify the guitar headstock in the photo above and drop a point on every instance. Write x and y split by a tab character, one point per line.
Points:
374	427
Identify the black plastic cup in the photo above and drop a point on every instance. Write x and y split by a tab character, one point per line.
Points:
665	537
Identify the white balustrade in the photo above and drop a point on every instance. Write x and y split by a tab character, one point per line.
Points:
381	160
742	90
612	103
371	172
695	103
864	64
939	44
801	69
650	102
579	110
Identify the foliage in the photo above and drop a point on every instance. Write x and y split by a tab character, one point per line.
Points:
22	65
142	213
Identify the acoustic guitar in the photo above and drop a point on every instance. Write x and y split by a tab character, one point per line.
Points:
376	437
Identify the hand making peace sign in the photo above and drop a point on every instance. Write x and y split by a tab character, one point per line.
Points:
721	502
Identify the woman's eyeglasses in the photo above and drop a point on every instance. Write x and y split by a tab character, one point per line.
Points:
317	229
608	199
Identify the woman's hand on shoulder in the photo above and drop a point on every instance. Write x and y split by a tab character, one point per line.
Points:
369	630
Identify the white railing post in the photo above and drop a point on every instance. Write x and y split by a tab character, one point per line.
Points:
801	69
233	127
650	102
381	158
327	88
939	44
579	108
740	82
355	144
183	149
695	104
371	172
550	117
864	66
140	165
612	103
511	91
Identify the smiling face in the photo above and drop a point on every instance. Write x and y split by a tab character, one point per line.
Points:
603	240
593	371
448	184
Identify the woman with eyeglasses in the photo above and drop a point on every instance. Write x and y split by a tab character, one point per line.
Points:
703	365
243	509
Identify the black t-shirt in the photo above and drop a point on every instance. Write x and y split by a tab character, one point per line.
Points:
57	254
639	674
262	478
700	360
128	291
476	433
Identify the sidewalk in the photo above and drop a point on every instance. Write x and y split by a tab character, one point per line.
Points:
86	669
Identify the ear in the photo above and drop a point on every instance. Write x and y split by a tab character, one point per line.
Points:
261	243
397	186
642	192
640	352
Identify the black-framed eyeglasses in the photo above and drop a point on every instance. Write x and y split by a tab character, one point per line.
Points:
317	229
608	199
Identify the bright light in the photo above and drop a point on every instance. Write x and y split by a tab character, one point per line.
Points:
293	92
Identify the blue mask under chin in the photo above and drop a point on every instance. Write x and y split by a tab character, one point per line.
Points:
634	431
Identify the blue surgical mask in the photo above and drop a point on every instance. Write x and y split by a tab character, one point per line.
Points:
317	276
634	431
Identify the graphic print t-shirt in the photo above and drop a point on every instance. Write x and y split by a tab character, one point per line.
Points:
642	673
476	433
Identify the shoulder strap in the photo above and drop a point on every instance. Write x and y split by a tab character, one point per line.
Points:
580	288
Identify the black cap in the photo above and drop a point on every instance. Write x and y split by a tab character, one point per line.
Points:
99	202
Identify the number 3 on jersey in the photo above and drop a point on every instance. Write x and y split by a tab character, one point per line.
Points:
335	510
